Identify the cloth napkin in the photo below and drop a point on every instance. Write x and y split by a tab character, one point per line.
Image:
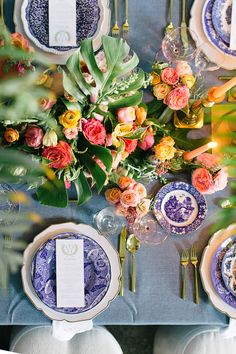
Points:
230	331
64	331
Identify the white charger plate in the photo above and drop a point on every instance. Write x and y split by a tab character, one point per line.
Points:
205	270
224	61
86	230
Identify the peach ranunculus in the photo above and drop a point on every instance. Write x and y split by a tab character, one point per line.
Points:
183	68
113	195
208	160
178	98
11	135
146	142
160	91
69	119
94	131
70	133
164	152
168	140
59	155
125	181
129	198
126	115
141	115
221	179
202	180
140	189
170	76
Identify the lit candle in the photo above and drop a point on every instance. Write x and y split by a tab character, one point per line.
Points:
189	155
217	94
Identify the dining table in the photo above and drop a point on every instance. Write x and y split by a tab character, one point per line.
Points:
157	299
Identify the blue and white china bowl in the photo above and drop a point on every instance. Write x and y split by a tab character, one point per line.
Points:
97	272
221	18
180	208
216	272
7	205
209	29
34	14
228	269
101	272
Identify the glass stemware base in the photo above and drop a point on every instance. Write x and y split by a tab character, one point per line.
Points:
109	222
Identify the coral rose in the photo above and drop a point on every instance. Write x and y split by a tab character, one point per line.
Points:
129	198
183	68
130	145
202	180
113	195
168	140
59	155
11	135
178	98
147	142
221	179
70	133
164	152
141	115
160	91
69	119
126	115
94	131
34	136
140	189
125	181
170	76
208	160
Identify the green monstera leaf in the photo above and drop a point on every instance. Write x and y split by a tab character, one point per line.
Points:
115	84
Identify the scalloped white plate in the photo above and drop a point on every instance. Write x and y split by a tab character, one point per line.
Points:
111	253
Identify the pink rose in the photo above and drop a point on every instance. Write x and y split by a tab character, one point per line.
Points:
59	155
183	68
178	98
208	160
126	115
34	136
221	180
147	142
70	133
129	198
94	131
202	180
170	76
130	145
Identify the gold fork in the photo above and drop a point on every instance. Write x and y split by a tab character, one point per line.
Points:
115	29
194	261
125	26
184	262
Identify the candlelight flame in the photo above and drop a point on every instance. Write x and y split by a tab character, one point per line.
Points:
212	144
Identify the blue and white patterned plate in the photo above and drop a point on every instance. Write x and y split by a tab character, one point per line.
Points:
228	269
34	14
180	208
97	273
210	31
6	205
221	18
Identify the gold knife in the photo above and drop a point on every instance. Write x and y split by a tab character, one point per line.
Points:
122	253
183	26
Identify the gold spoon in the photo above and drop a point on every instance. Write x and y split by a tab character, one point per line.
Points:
170	26
133	245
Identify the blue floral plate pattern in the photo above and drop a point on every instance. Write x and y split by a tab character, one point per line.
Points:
97	273
216	272
180	208
36	25
228	269
210	31
221	18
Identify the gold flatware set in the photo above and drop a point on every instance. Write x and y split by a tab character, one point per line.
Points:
186	256
125	27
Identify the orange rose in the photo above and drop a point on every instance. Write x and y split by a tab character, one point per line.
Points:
141	115
11	135
112	195
125	181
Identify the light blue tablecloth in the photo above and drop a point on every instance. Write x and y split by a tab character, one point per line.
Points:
157	300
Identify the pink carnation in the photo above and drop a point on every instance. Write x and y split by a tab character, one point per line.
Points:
178	98
170	76
147	142
221	180
208	160
70	133
202	180
94	131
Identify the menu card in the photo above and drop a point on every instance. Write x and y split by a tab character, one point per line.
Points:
62	23
70	272
233	27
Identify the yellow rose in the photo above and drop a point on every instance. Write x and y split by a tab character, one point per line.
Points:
160	91
167	140
69	119
120	130
164	152
11	135
188	80
44	80
155	78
